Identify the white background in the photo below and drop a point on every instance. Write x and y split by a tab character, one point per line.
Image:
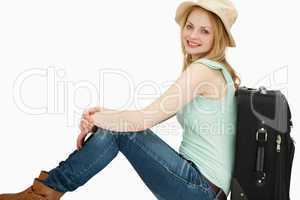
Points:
76	39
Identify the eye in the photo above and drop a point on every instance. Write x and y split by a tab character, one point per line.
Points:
204	31
188	26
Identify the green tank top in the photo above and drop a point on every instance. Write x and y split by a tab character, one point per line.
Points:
209	127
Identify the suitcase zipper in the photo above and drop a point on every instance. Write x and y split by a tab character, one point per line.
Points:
280	187
278	142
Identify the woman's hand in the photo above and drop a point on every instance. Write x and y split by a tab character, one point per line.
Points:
86	125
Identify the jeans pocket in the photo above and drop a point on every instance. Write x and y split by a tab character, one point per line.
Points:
196	178
190	173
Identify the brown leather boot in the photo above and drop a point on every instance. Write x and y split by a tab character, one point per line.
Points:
38	191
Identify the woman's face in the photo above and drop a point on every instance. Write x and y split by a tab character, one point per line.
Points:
197	34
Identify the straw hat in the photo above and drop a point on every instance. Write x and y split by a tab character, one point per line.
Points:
224	9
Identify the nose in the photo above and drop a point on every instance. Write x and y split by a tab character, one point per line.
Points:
194	34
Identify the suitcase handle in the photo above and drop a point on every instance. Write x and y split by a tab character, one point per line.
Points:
261	138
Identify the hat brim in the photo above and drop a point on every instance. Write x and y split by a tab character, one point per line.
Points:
181	12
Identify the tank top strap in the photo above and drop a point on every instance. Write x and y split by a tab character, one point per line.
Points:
217	65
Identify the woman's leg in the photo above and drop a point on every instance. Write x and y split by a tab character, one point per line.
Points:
98	150
166	173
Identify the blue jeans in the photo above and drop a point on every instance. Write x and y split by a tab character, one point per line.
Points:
166	173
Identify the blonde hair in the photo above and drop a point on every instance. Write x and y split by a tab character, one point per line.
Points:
218	50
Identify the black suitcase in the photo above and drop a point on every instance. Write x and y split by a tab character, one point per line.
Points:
264	148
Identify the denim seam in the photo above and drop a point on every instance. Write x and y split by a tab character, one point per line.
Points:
183	167
73	182
158	196
174	174
116	140
94	162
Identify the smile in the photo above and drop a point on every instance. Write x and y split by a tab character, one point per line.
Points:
192	45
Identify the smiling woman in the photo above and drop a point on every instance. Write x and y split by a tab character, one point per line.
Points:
202	167
205	33
197	35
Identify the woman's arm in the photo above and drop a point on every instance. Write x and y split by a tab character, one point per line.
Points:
185	88
119	120
191	83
